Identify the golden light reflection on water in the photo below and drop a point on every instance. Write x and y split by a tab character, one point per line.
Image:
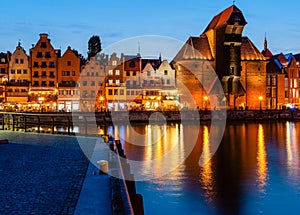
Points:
292	150
206	175
261	157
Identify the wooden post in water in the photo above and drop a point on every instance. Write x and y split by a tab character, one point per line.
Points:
25	123
13	122
53	124
3	119
39	124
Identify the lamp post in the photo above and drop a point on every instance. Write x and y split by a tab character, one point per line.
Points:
101	103
205	102
260	99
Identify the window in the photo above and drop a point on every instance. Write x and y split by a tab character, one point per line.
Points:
117	82
3	71
166	72
69	63
92	74
65	73
117	72
85	93
44	84
51	64
134	83
168	81
21	61
127	73
99	83
274	92
110	72
116	92
13	71
148	73
44	73
127	83
134	73
137	93
73	73
84	83
44	64
110	81
121	92
131	64
151	82
127	92
47	55
25	72
35	64
19	71
110	92
273	80
87	74
92	93
51	83
145	82
97	73
114	63
93	83
17	61
43	45
163	81
132	92
51	75
35	74
39	55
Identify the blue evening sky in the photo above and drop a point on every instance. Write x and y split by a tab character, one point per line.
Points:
74	22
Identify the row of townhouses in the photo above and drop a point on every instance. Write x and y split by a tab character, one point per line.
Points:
50	81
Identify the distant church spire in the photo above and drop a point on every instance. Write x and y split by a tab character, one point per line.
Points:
266	43
234	2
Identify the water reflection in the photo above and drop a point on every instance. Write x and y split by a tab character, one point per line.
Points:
262	169
254	165
206	174
292	151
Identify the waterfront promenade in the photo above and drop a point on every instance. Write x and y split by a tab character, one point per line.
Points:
44	174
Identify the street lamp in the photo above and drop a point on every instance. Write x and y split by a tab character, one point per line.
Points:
101	102
205	100
260	99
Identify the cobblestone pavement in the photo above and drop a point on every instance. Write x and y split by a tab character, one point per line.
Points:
41	174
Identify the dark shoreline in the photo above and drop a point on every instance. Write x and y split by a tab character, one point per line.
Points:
25	121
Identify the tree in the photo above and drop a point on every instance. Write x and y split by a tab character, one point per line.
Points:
94	46
82	58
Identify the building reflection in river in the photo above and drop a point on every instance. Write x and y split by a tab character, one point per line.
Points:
262	168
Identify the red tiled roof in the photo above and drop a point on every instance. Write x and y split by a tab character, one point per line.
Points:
267	53
249	51
195	48
222	18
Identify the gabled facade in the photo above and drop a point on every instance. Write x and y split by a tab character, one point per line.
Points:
4	64
90	82
68	75
44	65
19	77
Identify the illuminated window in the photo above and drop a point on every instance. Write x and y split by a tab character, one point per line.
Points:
110	72
110	81
117	82
117	72
114	63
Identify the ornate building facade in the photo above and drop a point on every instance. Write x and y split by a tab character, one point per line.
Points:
235	61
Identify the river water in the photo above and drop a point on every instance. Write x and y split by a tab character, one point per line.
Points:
256	169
